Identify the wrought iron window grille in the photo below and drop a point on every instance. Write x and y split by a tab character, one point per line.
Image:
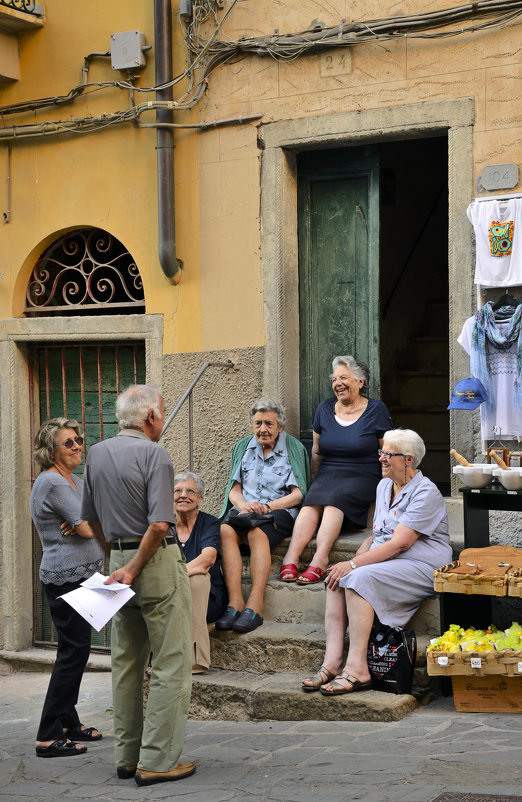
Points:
85	272
26	6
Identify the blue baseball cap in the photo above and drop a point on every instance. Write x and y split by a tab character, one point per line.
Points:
468	394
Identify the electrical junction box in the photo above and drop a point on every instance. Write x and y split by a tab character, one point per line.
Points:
127	50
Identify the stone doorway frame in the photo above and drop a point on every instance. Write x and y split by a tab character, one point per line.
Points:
280	143
16	592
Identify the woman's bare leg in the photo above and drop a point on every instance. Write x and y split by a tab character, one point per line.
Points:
360	622
327	534
260	563
335	622
305	527
232	566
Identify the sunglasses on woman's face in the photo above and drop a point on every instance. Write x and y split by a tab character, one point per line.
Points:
69	443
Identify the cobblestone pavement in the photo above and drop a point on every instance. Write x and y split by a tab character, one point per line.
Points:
414	760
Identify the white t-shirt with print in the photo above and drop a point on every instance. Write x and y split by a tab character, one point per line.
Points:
498	233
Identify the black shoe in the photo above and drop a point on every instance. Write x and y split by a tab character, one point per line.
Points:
126	772
86	734
247	621
227	619
60	748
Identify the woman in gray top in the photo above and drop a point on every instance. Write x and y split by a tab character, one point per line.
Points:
70	554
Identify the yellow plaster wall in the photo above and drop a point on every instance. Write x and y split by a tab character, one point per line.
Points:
105	179
485	65
108	179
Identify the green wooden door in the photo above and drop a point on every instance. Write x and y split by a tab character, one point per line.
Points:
338	215
81	383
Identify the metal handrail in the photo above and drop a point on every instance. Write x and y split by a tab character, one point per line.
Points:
188	394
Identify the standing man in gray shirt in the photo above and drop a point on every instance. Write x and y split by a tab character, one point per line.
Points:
128	492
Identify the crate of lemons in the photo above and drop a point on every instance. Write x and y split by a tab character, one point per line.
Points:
476	652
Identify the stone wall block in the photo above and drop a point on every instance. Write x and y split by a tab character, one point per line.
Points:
221	412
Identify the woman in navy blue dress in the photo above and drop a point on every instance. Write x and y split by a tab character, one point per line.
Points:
347	431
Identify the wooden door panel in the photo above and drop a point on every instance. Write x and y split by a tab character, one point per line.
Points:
338	272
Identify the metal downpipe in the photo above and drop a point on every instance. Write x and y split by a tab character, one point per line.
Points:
170	264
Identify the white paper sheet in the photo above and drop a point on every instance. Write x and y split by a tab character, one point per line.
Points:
96	602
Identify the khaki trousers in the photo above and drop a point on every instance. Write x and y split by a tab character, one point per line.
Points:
200	590
156	619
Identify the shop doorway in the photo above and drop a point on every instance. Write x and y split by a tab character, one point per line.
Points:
414	294
373	281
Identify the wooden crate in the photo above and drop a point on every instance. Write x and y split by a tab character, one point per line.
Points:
507	663
491	694
444	581
515	584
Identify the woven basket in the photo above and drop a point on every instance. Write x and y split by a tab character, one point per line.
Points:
444	581
515	584
507	663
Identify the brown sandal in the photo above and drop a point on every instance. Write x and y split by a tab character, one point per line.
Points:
318	679
338	688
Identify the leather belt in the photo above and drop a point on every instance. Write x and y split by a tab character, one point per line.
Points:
124	545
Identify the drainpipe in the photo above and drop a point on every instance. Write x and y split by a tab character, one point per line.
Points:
170	264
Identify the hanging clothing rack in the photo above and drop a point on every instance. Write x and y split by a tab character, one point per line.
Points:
498	197
479	288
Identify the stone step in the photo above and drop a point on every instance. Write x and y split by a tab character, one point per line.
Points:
432	351
249	678
243	696
420	389
276	646
437	465
291	603
430	422
272	647
436	319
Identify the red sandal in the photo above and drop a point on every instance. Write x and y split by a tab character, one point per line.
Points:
288	572
312	575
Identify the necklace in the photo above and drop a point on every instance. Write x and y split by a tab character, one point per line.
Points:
347	413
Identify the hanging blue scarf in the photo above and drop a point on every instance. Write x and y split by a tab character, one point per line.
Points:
485	330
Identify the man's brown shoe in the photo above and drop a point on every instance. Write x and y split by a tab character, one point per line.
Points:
182	770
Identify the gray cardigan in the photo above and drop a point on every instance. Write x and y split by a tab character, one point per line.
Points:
66	558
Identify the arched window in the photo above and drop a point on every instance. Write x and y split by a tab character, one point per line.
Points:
87	271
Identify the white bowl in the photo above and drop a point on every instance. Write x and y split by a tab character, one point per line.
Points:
511	480
476	475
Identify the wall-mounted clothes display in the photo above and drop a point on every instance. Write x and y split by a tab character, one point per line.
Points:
498	232
493	340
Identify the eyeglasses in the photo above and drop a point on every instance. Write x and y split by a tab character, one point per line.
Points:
189	492
70	442
389	455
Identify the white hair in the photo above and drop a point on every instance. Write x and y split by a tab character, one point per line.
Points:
359	369
135	403
407	442
268	405
200	484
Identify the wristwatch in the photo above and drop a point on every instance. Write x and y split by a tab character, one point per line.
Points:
353	564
